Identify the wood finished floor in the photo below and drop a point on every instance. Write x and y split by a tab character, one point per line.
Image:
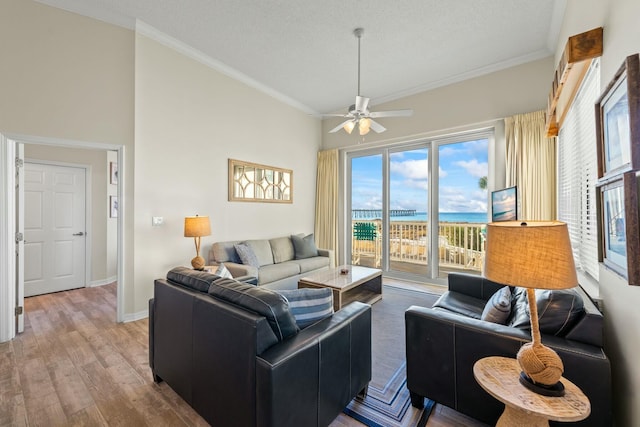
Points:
75	366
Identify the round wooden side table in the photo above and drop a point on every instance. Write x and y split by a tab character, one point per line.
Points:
498	376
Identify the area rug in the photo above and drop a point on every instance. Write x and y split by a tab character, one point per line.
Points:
388	403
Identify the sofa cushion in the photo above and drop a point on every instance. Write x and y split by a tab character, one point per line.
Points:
305	247
309	305
273	272
282	249
262	249
225	252
558	310
498	308
310	264
461	304
264	302
192	279
246	254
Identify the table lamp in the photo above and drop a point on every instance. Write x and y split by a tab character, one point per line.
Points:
533	255
196	227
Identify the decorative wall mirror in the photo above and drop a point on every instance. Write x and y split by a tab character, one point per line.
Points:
252	182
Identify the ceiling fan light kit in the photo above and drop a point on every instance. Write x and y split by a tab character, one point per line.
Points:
359	114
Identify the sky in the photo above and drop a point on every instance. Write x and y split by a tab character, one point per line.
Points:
461	166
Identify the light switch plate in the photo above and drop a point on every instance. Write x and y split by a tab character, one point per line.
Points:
157	221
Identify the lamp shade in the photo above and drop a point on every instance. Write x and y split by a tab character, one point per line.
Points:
197	226
532	254
348	127
364	125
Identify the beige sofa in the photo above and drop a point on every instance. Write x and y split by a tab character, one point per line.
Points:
279	268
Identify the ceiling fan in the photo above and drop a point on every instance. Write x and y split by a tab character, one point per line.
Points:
359	114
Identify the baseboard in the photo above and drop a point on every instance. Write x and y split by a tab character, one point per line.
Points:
102	282
135	316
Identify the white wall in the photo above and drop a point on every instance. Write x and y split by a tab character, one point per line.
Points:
622	317
67	77
190	120
98	202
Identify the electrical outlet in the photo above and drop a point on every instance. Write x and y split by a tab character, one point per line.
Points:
157	221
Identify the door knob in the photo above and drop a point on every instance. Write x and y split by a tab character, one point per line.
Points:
78	234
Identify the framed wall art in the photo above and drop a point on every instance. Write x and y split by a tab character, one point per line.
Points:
113	206
618	224
113	173
618	121
252	182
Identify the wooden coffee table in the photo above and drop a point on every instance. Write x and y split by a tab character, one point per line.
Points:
359	284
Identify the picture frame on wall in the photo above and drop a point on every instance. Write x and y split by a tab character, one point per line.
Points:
113	206
618	121
618	226
113	173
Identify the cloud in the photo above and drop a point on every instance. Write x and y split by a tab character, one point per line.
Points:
471	148
412	169
473	167
455	199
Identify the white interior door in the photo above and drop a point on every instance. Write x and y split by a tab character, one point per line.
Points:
54	228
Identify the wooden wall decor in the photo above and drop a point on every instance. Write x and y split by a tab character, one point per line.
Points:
573	66
251	182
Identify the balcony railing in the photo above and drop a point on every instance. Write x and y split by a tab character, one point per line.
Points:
460	245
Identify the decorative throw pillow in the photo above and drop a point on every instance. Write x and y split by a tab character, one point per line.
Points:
308	305
264	302
222	271
246	254
304	247
498	307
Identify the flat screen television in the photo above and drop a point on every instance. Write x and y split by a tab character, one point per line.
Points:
504	204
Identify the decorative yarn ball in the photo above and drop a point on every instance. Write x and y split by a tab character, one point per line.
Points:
540	363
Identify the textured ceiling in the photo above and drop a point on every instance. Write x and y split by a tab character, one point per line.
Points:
305	52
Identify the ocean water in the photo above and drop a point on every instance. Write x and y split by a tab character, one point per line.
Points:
471	217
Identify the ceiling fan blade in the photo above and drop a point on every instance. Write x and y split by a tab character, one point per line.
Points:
395	113
362	103
377	127
335	115
337	128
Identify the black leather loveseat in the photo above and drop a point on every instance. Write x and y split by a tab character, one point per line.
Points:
237	367
443	343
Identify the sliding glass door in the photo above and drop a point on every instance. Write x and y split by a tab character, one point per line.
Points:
415	224
408	198
366	210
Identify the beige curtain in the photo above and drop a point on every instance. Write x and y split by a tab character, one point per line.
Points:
531	165
326	227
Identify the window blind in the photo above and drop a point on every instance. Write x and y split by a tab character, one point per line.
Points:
577	173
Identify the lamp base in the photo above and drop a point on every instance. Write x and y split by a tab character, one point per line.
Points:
554	390
197	263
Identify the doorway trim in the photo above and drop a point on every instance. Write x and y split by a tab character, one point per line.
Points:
8	221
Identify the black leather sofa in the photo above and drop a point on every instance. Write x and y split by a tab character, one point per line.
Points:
236	367
443	343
